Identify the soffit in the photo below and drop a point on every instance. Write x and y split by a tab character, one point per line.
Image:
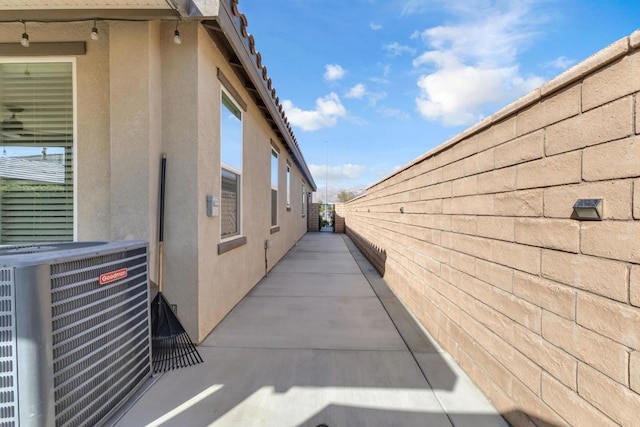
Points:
229	32
82	4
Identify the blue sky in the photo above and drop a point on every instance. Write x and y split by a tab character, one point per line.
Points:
380	82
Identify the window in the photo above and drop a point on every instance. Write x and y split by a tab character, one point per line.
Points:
304	201
288	186
36	156
231	167
274	187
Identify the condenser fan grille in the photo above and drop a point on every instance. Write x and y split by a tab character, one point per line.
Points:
100	335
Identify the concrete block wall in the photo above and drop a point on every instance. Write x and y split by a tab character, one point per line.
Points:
540	309
313	218
338	220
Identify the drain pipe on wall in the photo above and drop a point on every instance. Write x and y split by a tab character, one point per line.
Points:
267	245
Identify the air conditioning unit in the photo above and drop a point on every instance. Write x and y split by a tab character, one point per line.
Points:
75	339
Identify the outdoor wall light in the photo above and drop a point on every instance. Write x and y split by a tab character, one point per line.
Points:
176	35
401	209
588	209
94	31
24	41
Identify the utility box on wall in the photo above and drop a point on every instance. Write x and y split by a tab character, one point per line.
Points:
75	340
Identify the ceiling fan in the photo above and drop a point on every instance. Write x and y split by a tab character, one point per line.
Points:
12	125
13	129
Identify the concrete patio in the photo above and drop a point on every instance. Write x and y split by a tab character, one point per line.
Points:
321	340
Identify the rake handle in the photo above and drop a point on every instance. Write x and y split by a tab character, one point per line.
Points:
163	172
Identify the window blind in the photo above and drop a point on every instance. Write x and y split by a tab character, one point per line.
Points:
36	158
230	203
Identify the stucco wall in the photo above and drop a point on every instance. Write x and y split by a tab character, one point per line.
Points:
93	140
541	310
138	95
227	278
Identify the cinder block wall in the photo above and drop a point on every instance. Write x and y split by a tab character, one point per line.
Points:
338	223
541	310
313	219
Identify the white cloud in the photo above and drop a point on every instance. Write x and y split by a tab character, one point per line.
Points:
326	114
561	63
374	26
392	113
346	172
374	97
386	70
456	95
333	72
473	64
414	6
360	91
397	49
357	92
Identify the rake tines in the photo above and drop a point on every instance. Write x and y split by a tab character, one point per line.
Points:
170	344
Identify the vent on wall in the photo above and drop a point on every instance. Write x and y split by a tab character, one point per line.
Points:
81	312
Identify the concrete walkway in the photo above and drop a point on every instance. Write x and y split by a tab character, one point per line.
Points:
321	340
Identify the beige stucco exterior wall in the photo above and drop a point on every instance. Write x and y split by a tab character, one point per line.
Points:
541	310
139	95
93	138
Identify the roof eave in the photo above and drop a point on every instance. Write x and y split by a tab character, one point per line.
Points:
230	23
173	9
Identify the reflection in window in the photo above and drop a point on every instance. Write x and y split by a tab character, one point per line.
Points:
36	152
304	200
274	187
231	166
288	186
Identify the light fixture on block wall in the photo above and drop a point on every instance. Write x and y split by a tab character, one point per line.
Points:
94	31
24	41
588	209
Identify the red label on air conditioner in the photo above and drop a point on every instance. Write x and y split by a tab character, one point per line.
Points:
112	276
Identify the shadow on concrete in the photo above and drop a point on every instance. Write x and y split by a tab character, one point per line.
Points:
338	415
265	385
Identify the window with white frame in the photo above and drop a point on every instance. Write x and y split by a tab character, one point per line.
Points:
37	150
274	187
304	200
288	186
230	167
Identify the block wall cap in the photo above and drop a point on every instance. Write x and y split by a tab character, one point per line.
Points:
517	105
634	39
598	60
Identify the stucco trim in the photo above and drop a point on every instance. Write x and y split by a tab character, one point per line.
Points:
231	244
229	87
44	49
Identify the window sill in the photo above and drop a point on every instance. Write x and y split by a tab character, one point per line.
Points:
231	244
275	229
